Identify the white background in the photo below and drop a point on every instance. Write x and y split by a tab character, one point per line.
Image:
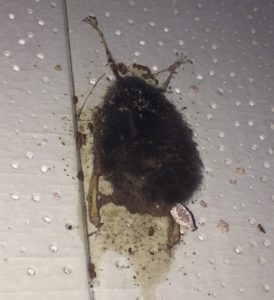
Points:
229	103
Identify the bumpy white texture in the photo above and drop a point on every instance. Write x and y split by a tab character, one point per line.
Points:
40	258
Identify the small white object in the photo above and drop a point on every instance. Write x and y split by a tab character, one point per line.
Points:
264	178
41	22
266	288
15	196
251	103
92	81
142	42
200	77
221	134
238	249
261	261
221	148
16	68
252	221
45	79
35	197
15	165
47	219
44	169
40	55
7	53
183	216
267	165
238	103
267	243
213	105
29	11
122	263
262	137
29	155
53	248
22	42
254	147
201	237
228	161
209	116
177	91
31	272
66	270
250	123
202	222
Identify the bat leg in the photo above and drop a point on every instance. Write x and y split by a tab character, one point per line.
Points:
93	207
181	59
173	233
93	199
113	65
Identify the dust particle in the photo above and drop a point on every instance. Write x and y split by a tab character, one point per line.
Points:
261	228
223	226
58	68
232	181
91	269
203	204
240	171
151	231
80	175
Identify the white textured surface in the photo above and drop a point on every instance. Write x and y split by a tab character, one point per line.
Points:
39	257
229	99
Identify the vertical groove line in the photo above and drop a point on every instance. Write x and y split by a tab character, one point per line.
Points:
79	164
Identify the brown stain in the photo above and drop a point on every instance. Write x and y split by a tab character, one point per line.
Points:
261	228
140	239
80	175
131	236
203	203
58	67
